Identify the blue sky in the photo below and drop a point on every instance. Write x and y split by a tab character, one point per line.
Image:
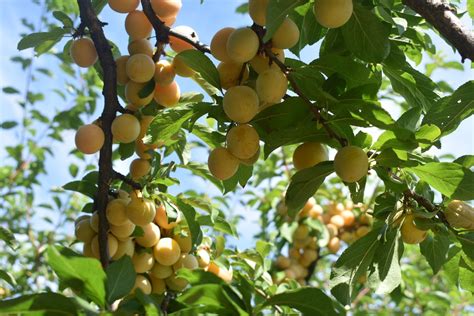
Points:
206	19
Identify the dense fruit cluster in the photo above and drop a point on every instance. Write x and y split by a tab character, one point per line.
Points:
340	222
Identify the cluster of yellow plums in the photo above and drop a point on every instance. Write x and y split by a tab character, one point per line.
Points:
343	221
164	247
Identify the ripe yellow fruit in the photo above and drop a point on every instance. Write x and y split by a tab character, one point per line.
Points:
166	8
287	35
351	164
140	46
241	104
124	248
158	285
132	94
94	221
142	283
115	211
139	168
260	62
410	233
252	160
242	45
83	52
316	211
271	86
203	257
141	211
81	218
169	21
112	245
332	229
336	208
184	241
151	236
337	220
222	164
140	68
187	261
219	44
160	271
334	245
143	261
181	68
123	6
161	218
84	231
242	141
301	232
164	73
309	154
167	95
125	128
294	253
349	218
282	262
176	284
89	139
332	13
87	250
460	215
122	77
258	11
362	231
365	219
177	44
310	255
347	237
123	231
231	72
167	251
222	273
137	25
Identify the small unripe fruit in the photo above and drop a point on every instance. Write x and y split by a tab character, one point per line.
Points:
83	52
123	231
181	68
334	245
167	95
132	94
142	262
139	168
176	284
112	245
164	72
89	139
141	211
151	236
177	44
142	283
219	44
125	128
271	86
116	213
242	141
167	251
242	45
187	261
122	77
137	25
241	104
160	271
140	46
332	13
230	73
84	231
184	241
166	8
203	257
158	286
287	35
222	164
351	164
258	11
309	154
123	6
410	233
140	68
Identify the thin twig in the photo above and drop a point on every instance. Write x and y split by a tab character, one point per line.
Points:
130	182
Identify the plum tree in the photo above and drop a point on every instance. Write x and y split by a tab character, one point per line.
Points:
167	95
332	13
125	128
123	6
116	212
164	73
222	164
83	52
271	86
232	74
166	8
139	168
122	77
351	164
132	94
242	45
137	25
287	34
241	104
309	154
243	141
258	11
89	139
142	261
142	283
140	211
140	68
219	44
411	234
167	251
140	46
177	44
151	235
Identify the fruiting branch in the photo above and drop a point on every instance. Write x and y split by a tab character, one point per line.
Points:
130	182
111	104
430	207
443	18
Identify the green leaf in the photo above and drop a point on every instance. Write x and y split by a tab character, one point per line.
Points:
387	257
98	5
39	304
310	30
309	301
277	11
304	184
37	39
450	179
8	237
202	65
10	90
199	277
366	35
120	279
467	161
87	188
466	276
81	274
202	171
467	243
126	150
7	277
63	18
470	8
190	215
435	250
152	307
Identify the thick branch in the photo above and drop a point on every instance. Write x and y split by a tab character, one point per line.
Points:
442	18
421	200
111	104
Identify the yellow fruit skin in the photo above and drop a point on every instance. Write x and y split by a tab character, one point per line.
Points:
271	86
122	77
241	104
123	6
150	237
176	284
122	231
181	69
242	45
168	95
287	35
140	68
260	62
116	213
167	251
124	248
187	261
351	164
158	285
160	271
258	11
230	73
309	154
282	262
137	25
222	164
84	231
161	218
243	141
334	245
89	139
132	90
460	215
164	72
219	44
112	245
142	283
332	13
252	160
139	168
410	233
83	52
184	242
140	46
166	8
142	262
125	128
140	211
178	45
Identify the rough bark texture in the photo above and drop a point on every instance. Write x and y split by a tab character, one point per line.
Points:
111	104
441	16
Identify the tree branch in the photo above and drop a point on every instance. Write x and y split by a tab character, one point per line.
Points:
130	182
111	104
441	16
